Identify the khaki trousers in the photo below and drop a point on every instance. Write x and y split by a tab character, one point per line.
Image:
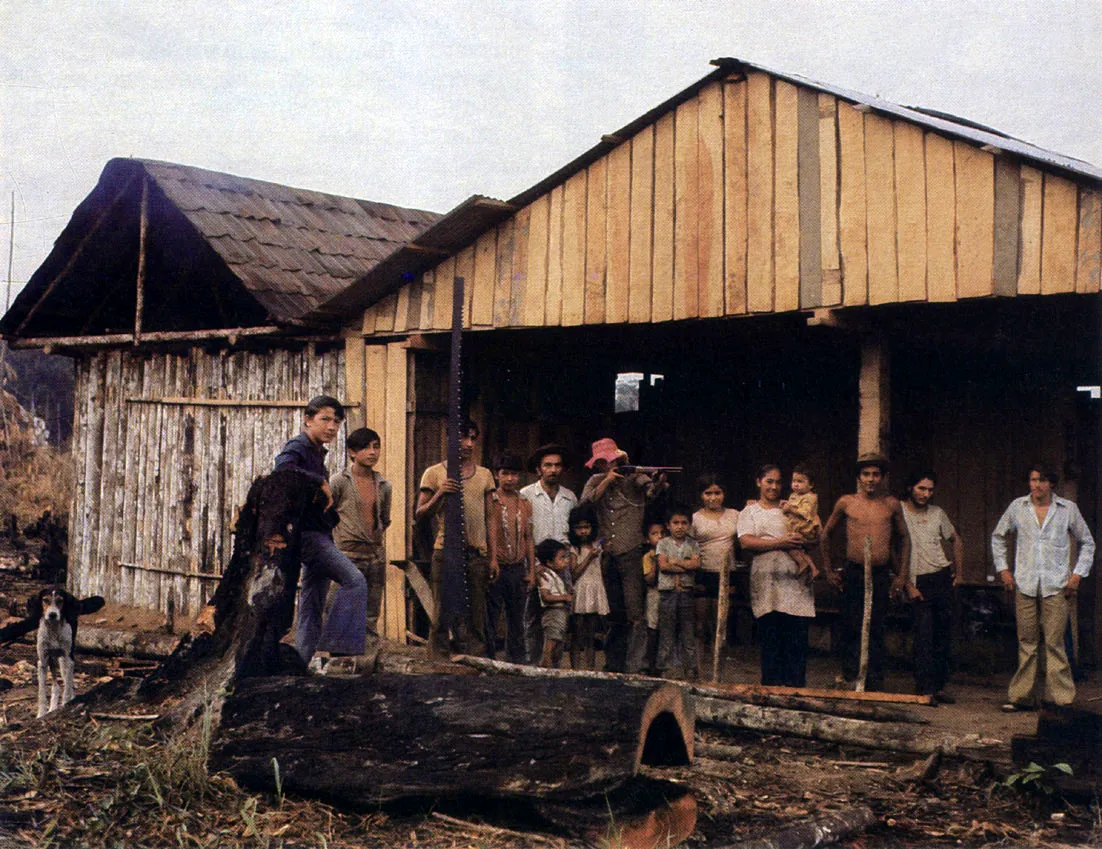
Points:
1048	618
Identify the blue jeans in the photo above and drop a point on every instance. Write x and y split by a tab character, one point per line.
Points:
346	628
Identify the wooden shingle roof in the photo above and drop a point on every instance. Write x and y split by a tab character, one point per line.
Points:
221	251
291	248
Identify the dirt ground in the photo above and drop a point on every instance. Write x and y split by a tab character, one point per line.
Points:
97	780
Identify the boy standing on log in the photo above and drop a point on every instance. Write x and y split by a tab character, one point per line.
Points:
480	549
361	497
322	562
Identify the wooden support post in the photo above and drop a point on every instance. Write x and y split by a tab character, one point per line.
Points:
143	233
866	619
874	389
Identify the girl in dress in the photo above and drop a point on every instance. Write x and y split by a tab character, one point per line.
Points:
590	600
714	527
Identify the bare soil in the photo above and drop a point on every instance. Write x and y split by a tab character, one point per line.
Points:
82	779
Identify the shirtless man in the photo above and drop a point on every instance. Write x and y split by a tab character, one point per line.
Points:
875	514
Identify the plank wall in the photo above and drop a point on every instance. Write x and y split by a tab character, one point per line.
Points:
758	196
159	482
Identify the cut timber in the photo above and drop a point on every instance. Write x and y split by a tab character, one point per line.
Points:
366	740
107	641
830	729
837	702
828	828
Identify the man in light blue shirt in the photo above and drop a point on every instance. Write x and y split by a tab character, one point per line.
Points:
1043	583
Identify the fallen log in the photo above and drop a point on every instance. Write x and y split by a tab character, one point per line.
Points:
95	640
827	829
376	738
830	729
793	700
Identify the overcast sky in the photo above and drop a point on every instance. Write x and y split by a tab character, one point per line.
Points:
425	103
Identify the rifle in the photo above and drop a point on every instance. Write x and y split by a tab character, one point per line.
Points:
648	470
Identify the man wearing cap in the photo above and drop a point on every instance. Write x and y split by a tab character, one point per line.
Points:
620	501
551	505
872	513
1043	583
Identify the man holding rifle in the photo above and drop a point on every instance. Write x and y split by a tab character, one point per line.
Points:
620	500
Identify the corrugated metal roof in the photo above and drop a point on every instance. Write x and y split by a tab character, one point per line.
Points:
942	122
292	248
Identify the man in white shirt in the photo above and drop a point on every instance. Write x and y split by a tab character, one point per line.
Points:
551	506
1043	583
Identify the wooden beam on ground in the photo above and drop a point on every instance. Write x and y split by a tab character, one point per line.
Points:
818	693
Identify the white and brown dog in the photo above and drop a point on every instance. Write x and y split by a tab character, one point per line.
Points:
53	611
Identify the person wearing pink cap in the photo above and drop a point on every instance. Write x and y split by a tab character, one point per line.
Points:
620	501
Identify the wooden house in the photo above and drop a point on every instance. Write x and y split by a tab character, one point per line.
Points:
784	270
187	298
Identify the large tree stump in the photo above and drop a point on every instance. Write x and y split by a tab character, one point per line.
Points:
383	737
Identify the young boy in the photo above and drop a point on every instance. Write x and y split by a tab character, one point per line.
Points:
556	598
361	497
655	532
346	627
802	512
513	564
678	559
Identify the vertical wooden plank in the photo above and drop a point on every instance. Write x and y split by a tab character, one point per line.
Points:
536	293
618	268
662	274
910	200
941	220
786	215
485	276
874	391
1029	261
1007	210
710	186
811	201
385	312
553	305
368	325
375	389
735	212
441	304
596	247
759	166
413	316
1088	271
686	210
975	184
642	225
828	193
880	188
401	311
852	206
519	266
503	284
394	606
354	379
1060	225
573	249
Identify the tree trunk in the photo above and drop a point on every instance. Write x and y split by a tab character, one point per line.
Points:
381	737
827	829
830	729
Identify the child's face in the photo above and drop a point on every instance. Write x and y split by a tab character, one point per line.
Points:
583	531
508	479
323	426
679	526
712	498
368	456
562	560
800	484
654	534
